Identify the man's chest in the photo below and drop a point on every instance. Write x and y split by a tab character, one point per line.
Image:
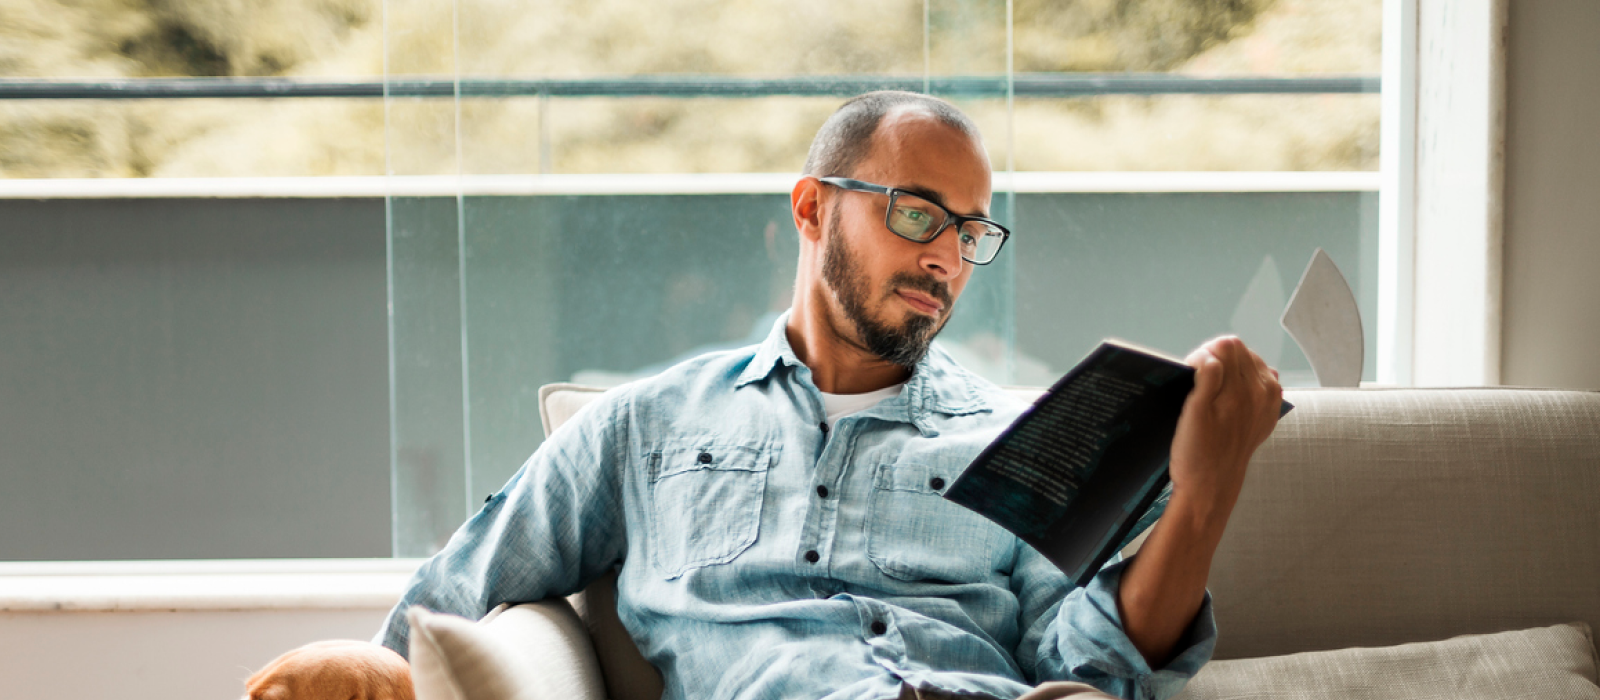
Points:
726	497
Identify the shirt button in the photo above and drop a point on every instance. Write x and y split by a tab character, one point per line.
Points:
936	483
878	627
824	426
822	491
812	556
705	457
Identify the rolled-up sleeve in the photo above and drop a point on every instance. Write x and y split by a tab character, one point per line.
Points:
1079	635
555	526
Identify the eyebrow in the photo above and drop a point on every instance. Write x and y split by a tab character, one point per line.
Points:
934	197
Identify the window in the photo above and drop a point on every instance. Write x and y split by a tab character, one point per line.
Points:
590	191
621	181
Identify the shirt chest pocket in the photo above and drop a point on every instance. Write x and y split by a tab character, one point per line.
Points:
914	534
705	502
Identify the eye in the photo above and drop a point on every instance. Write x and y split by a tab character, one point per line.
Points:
912	215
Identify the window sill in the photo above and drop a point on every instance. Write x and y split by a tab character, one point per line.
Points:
261	584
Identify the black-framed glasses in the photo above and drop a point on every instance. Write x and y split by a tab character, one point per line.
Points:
913	217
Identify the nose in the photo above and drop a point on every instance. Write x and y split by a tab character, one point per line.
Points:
941	257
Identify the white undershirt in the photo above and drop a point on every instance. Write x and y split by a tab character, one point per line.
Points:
841	405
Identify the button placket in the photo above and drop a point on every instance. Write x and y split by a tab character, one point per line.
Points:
880	633
818	534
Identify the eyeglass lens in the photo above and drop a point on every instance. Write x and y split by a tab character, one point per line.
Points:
918	219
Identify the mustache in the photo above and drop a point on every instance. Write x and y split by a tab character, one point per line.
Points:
922	283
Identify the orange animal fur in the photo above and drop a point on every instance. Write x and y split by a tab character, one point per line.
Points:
333	670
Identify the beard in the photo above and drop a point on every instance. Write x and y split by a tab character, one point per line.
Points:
904	345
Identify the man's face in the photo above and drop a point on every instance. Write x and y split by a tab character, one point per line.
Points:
894	295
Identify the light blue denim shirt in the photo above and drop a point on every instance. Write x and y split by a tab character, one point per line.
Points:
766	555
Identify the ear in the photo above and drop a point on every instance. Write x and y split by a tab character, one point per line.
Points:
806	204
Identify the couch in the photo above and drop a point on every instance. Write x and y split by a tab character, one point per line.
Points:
1404	543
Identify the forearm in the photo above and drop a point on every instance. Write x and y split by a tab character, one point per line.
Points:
1165	584
1232	409
1082	637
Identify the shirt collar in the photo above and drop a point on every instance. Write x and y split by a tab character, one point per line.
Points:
937	383
770	353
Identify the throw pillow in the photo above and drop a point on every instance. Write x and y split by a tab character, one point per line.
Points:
530	652
1542	663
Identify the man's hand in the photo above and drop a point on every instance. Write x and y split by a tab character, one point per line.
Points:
333	670
1231	411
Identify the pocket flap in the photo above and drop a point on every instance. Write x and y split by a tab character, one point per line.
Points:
915	478
708	454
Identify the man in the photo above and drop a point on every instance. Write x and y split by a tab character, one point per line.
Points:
776	510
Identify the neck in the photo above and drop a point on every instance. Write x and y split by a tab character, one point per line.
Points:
839	362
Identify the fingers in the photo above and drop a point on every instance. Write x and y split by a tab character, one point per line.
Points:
1239	370
1207	374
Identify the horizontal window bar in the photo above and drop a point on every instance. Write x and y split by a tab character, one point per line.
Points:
247	584
1025	85
653	184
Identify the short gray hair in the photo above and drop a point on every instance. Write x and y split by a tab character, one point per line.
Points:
846	137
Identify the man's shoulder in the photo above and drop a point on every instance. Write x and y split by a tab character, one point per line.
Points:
707	377
720	369
697	386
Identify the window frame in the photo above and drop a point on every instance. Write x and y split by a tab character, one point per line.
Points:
1442	156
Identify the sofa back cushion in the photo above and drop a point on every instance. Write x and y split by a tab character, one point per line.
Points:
1379	517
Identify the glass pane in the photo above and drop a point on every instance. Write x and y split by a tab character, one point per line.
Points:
427	412
579	245
1197	133
1170	270
202	137
665	135
602	288
425	372
143	126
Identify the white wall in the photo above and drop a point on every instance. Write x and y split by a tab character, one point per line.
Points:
1551	332
149	655
177	630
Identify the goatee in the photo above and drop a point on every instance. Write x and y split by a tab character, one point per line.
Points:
905	345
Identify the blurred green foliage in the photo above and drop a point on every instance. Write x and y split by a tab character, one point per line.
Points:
1125	35
590	38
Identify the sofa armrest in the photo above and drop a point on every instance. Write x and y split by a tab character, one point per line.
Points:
533	651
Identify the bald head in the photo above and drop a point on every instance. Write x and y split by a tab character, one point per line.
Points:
846	138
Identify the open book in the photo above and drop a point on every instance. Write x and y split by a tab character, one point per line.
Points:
1084	471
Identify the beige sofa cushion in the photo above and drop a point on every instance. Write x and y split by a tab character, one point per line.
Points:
1376	517
535	651
1536	664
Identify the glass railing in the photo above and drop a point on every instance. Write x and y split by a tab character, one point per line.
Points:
593	216
493	296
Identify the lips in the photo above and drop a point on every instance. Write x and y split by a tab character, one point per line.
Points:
921	302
